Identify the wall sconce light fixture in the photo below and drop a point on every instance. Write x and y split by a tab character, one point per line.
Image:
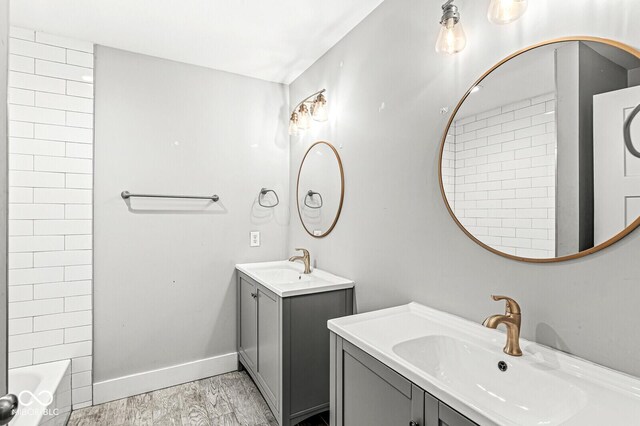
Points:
313	107
304	118
319	109
451	39
293	124
505	11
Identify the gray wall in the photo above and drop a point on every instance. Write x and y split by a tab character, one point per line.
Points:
163	291
597	75
395	237
568	152
4	66
582	73
634	77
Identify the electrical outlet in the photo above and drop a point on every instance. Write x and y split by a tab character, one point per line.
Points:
254	240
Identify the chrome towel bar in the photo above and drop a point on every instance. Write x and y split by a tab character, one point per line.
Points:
126	195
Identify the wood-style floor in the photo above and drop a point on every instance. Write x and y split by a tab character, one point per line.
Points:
228	400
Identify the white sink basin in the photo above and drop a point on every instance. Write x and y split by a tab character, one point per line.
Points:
531	396
284	276
287	278
457	362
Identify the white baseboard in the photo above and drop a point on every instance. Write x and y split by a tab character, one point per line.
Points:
123	387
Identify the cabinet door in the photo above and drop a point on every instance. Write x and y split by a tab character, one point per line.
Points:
450	417
307	338
269	343
374	395
431	411
248	321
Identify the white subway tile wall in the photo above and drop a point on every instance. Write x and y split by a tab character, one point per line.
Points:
499	175
50	204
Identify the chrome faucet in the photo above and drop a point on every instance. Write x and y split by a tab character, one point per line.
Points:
305	258
511	319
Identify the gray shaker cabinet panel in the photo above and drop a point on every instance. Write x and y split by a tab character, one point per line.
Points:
269	343
284	345
450	417
365	392
309	345
370	400
371	394
248	315
431	411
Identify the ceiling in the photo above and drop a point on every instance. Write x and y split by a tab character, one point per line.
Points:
625	59
270	40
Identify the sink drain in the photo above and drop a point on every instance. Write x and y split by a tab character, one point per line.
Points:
502	366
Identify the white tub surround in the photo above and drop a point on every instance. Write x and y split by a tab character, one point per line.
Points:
287	279
456	360
50	203
44	392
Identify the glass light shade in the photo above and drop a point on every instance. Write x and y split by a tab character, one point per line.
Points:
506	11
304	118
320	112
451	38
293	124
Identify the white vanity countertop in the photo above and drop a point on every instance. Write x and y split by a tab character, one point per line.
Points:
286	278
455	360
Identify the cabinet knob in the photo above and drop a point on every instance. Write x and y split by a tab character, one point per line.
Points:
254	295
412	423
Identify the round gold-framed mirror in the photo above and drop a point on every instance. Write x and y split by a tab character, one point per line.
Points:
320	189
535	163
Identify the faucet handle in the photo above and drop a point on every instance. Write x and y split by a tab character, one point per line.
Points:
304	251
511	307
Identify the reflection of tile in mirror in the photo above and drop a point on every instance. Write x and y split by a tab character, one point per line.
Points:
632	209
632	164
498	173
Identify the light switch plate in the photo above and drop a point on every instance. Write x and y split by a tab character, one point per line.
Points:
254	239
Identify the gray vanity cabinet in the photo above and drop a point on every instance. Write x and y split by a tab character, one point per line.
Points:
450	417
248	336
365	392
269	343
374	394
283	343
258	337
